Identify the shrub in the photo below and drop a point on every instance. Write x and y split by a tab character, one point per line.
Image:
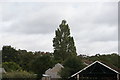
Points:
71	65
11	66
19	74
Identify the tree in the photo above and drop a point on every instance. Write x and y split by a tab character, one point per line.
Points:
11	66
109	59
63	43
71	65
9	54
41	64
24	59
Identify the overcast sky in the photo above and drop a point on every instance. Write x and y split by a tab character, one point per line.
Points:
31	25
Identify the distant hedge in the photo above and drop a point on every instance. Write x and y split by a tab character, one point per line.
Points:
18	74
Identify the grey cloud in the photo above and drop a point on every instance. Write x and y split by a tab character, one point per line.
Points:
109	15
44	19
93	26
35	21
29	42
97	47
99	33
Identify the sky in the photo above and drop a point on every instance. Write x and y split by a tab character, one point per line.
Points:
32	25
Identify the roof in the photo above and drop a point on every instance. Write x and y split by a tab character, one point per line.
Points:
58	64
56	68
93	64
53	72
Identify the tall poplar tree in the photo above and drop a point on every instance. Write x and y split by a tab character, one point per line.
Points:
63	43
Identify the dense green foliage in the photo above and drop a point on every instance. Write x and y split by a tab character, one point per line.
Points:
41	64
71	65
35	60
25	61
65	51
19	74
9	54
110	59
63	43
11	66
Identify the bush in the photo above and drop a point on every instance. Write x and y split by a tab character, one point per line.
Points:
19	74
11	66
71	65
41	64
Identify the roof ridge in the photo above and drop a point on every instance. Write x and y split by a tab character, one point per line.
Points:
94	63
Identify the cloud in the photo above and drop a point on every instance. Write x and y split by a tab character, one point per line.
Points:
32	25
28	42
97	47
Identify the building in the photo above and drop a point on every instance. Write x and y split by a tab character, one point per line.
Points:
2	70
53	73
96	71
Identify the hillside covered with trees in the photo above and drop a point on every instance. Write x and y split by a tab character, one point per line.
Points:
38	62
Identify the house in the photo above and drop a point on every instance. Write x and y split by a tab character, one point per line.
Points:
53	73
2	70
96	71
